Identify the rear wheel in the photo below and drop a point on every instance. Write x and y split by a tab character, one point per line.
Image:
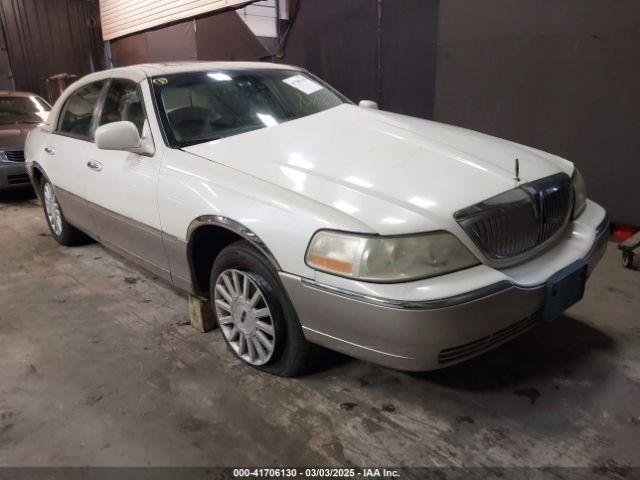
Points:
627	260
64	233
255	315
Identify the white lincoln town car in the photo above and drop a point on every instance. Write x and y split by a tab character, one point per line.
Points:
307	219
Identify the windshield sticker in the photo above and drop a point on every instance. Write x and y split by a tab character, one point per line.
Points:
160	81
303	84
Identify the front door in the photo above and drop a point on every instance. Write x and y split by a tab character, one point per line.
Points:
122	187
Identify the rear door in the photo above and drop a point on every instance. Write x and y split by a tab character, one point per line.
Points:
66	152
122	187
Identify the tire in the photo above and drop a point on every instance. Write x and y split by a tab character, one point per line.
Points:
61	230
627	260
239	275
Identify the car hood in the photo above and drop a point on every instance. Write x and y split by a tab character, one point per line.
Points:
393	173
12	136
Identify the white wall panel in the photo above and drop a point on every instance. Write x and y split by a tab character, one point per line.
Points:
261	17
122	17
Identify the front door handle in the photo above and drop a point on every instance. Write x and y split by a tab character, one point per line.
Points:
50	150
93	165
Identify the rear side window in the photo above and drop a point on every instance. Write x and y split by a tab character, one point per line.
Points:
77	116
123	103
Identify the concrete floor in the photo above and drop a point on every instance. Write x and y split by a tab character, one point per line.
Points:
99	366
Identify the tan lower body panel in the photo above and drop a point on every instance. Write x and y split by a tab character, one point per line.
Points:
405	339
160	254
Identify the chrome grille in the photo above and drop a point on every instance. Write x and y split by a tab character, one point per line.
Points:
513	224
14	155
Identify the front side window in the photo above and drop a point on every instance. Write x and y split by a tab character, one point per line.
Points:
23	109
197	107
123	103
77	116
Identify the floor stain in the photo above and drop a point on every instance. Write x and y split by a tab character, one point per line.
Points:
191	424
91	399
531	393
348	406
466	419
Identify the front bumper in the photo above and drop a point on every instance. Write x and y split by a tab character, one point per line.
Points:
423	335
13	175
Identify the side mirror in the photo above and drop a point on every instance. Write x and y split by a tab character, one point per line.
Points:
368	104
121	136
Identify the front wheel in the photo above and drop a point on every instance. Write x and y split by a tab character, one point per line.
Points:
256	318
64	233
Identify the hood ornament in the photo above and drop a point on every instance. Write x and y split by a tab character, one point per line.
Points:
517	177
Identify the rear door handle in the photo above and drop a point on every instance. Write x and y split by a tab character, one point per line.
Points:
50	150
93	165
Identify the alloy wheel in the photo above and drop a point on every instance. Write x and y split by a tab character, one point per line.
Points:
54	214
244	316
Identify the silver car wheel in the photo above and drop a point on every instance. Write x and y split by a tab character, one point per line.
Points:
54	214
244	317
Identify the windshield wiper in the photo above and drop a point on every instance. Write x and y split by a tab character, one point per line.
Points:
197	141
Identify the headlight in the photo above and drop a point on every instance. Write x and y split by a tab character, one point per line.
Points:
580	193
3	157
387	259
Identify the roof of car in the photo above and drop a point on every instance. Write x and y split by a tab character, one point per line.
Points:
144	70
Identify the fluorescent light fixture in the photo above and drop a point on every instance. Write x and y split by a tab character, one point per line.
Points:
359	181
392	221
219	76
422	202
268	120
297	160
296	176
41	111
346	207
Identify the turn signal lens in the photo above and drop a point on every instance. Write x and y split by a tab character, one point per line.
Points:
331	264
387	259
580	193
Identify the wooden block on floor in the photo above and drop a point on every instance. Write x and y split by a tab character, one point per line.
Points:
201	314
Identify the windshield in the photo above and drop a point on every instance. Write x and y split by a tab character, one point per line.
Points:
197	107
16	109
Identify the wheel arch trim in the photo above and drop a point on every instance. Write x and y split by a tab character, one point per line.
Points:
233	226
31	169
35	166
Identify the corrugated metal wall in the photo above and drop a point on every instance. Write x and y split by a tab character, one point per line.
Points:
45	38
6	76
122	17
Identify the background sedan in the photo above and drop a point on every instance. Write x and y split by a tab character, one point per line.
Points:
19	113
